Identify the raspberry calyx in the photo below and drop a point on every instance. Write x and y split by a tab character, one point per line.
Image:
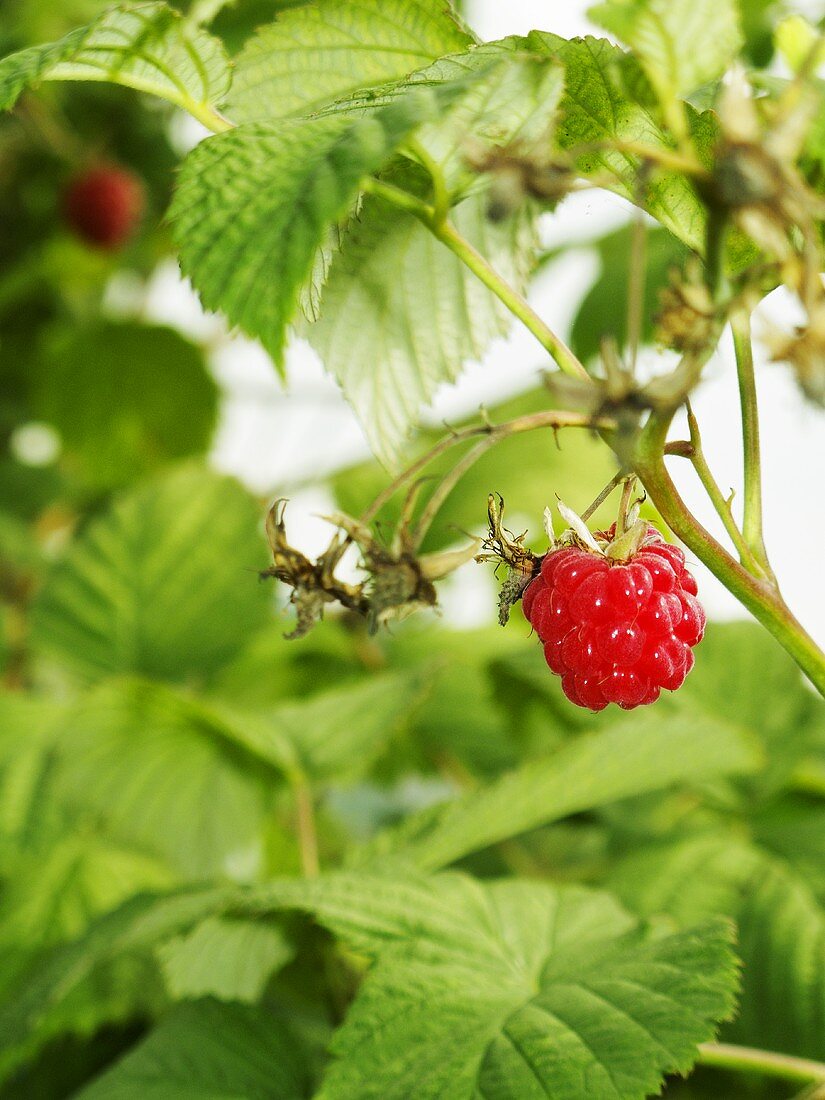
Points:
616	627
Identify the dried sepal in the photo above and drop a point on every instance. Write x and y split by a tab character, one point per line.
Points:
505	548
313	584
579	528
439	564
549	531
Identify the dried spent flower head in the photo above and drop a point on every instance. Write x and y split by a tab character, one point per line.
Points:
805	352
755	177
400	581
687	320
397	583
518	172
313	584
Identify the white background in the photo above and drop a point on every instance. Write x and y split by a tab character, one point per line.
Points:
277	440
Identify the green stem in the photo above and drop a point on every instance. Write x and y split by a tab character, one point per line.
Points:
720	503
591	509
517	305
472	259
207	116
441	196
636	287
400	198
716	233
624	505
493	433
305	822
446	486
767	1062
759	596
752	516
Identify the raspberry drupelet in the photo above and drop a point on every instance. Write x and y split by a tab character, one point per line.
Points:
616	631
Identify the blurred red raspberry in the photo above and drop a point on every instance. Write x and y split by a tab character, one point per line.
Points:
104	206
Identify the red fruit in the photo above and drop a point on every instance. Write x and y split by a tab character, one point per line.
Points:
590	693
616	632
104	205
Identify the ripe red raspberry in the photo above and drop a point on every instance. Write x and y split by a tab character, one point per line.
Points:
104	205
616	631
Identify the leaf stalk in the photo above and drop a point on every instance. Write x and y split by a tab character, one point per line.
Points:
445	232
767	1062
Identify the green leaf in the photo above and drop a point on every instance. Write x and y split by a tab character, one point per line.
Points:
744	677
603	310
628	758
223	957
219	1051
54	893
792	826
27	727
512	103
253	206
80	984
606	103
325	51
782	943
401	315
163	773
161	584
149	47
781	930
338	734
691	879
546	987
125	397
387	271
503	950
682	44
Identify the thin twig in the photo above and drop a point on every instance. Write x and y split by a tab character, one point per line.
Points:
617	479
446	486
547	418
767	1062
751	453
717	498
636	287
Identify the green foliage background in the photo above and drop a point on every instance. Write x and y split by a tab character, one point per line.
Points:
518	899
